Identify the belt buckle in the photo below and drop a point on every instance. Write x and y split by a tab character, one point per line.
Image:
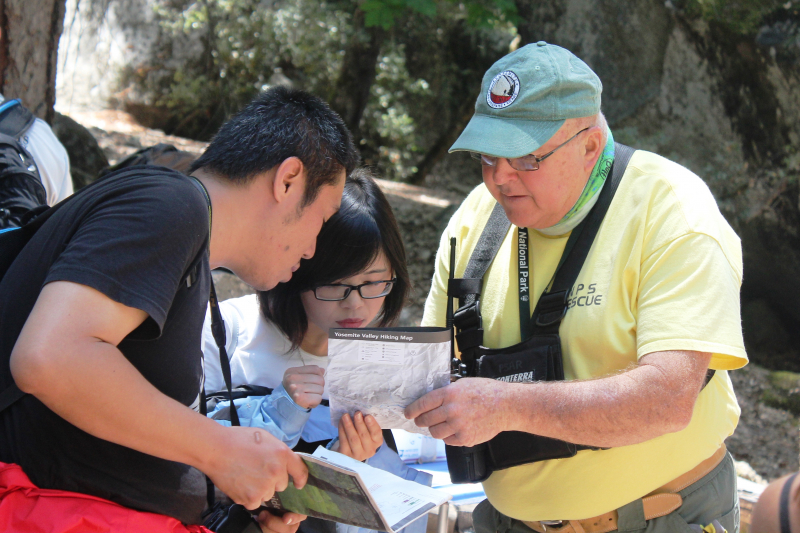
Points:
554	524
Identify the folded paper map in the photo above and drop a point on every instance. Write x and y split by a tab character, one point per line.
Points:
380	371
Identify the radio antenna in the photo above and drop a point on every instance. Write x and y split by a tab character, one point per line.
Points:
449	320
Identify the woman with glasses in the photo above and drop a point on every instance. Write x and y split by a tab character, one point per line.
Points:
279	338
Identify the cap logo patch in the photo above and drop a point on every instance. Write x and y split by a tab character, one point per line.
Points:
503	90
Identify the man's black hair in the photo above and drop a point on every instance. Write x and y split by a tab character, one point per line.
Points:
349	242
280	123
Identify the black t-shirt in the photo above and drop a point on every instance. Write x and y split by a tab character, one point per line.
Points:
133	236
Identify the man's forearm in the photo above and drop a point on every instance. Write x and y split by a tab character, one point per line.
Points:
651	399
67	356
94	387
627	408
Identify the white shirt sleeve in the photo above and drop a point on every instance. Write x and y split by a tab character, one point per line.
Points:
51	159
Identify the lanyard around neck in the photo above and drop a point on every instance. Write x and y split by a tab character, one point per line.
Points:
203	189
524	284
524	279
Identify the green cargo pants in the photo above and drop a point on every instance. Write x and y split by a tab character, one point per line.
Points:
713	497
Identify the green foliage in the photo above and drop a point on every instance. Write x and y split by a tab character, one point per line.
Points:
387	13
740	16
784	392
214	56
427	74
384	13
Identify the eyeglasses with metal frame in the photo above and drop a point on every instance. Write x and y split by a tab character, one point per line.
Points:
336	292
526	163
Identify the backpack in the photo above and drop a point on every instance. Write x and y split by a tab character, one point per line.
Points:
21	187
165	155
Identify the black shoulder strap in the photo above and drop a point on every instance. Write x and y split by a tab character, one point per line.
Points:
217	323
10	396
12	242
784	505
15	119
467	288
218	331
467	319
552	305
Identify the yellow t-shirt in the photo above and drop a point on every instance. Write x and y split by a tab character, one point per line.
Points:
663	273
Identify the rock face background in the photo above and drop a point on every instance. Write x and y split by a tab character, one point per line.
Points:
725	105
721	101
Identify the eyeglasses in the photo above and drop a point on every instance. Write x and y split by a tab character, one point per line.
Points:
336	292
525	163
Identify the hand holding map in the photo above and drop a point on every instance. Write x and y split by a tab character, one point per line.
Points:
380	371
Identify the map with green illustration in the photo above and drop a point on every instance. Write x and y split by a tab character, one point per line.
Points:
331	495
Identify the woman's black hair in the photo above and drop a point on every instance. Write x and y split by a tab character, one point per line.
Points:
348	243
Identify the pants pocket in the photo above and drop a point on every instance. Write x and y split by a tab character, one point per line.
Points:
730	521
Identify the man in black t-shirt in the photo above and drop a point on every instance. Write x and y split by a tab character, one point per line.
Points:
101	314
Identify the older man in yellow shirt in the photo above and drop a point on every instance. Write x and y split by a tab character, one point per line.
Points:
654	307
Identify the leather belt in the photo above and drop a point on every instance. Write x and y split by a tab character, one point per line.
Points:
660	502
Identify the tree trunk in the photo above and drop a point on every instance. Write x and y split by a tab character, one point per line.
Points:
358	73
443	143
29	34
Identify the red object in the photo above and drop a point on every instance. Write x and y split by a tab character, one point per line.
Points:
25	508
500	99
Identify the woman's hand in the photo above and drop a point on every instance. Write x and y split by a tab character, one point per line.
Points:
304	384
359	437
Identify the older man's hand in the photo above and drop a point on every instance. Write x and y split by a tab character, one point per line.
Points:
465	413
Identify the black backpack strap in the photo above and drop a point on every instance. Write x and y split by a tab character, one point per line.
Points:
218	332
784	505
217	323
15	119
12	243
144	156
552	305
10	396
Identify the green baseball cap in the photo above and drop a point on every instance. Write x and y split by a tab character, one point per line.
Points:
525	98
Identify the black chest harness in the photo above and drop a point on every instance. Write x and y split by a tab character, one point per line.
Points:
538	356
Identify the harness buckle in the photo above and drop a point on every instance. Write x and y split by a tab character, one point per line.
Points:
468	316
552	308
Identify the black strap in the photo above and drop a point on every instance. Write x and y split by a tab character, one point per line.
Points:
544	302
21	236
9	396
218	331
388	438
524	283
217	323
488	244
783	504
15	119
552	305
